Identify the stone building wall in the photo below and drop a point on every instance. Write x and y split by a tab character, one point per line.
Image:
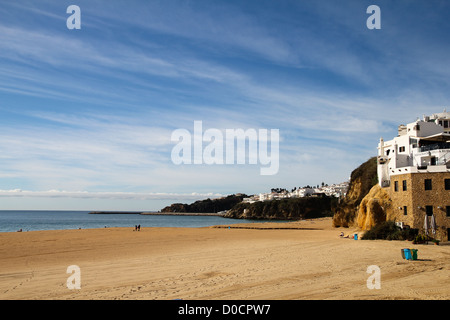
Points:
416	199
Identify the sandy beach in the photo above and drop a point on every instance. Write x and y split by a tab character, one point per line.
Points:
276	261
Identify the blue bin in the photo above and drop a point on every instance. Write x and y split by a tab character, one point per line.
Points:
408	255
355	236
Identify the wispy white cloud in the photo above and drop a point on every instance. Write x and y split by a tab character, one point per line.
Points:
106	195
221	24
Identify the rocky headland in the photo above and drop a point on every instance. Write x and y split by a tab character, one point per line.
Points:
366	204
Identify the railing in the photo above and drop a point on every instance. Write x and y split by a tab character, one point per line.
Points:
435	146
444	159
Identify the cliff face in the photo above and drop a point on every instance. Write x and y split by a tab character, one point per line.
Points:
206	206
362	180
175	207
285	209
374	208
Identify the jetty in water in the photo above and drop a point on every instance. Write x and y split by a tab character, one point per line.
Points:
115	212
150	213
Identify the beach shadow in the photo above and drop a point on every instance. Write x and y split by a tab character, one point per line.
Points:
408	260
422	260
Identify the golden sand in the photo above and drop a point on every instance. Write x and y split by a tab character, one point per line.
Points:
297	260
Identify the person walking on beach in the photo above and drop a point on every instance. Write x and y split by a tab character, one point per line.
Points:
139	227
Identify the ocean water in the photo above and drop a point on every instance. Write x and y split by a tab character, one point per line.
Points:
11	221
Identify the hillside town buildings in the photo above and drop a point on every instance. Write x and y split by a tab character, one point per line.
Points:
335	190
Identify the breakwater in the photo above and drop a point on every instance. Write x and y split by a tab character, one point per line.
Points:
114	212
160	213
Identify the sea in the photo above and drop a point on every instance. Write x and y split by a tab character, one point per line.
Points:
36	220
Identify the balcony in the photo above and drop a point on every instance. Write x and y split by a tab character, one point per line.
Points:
435	146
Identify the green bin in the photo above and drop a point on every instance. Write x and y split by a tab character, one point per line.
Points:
414	254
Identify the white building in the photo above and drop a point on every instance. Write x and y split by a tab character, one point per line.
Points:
301	192
423	144
265	196
252	199
336	190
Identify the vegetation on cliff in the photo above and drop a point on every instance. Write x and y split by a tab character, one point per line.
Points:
206	206
362	179
285	209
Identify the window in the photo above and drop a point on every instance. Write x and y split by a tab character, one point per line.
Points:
445	124
396	186
405	210
447	184
448	211
401	149
404	185
428	185
429	210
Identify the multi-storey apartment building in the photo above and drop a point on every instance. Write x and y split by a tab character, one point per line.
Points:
414	167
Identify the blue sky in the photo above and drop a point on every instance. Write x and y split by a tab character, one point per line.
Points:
86	115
